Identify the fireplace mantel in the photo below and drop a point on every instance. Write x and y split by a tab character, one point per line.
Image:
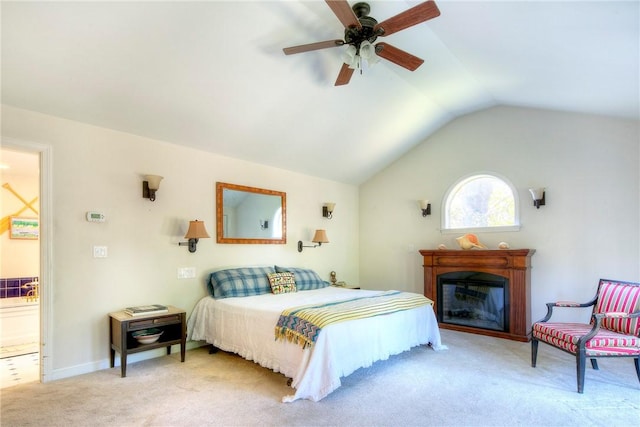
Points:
513	264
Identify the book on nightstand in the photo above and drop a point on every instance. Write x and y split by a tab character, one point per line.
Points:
143	310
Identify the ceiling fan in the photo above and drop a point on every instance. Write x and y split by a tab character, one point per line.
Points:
361	30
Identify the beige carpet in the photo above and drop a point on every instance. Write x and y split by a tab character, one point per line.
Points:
479	381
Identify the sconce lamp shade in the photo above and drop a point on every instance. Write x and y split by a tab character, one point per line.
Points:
536	193
150	185
425	207
196	231
538	196
320	237
154	181
327	210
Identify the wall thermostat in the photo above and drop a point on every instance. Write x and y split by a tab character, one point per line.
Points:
95	217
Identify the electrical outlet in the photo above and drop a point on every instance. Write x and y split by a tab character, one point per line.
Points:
186	272
99	251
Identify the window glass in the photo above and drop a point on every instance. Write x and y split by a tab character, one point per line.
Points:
480	201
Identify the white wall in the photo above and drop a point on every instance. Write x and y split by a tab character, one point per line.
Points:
589	228
100	169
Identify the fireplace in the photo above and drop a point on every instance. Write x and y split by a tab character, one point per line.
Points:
477	300
485	292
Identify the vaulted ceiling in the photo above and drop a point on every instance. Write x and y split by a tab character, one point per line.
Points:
212	75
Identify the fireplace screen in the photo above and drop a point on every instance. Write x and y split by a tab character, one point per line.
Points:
473	299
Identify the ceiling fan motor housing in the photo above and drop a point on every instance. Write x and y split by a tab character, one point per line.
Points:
355	36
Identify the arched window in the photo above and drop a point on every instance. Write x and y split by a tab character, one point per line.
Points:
482	201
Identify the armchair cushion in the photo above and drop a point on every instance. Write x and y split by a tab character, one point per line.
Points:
604	343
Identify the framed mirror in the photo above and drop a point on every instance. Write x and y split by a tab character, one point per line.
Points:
250	215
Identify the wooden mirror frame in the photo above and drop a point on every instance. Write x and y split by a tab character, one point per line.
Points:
220	238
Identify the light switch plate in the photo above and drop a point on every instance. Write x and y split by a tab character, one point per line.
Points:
186	272
99	251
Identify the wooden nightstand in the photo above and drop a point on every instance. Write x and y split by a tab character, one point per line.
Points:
122	326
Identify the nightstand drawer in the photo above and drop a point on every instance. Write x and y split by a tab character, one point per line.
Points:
145	323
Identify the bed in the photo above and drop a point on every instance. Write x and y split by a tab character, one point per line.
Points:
242	311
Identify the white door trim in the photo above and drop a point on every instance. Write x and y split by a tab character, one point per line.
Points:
46	249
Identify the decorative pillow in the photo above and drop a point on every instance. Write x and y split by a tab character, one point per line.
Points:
282	283
305	278
240	282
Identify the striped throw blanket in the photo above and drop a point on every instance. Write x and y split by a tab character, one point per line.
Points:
302	325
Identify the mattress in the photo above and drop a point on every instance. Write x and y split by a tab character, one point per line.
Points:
246	326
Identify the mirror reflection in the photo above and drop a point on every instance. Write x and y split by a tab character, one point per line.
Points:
250	215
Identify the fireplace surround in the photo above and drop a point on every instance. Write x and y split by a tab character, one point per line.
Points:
481	291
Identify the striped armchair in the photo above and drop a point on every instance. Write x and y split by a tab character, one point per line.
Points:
614	330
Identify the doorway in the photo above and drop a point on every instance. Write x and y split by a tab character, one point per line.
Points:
20	269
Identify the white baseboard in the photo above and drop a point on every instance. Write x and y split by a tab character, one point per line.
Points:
72	371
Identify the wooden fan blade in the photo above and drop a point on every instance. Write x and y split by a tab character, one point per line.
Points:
398	56
408	18
344	13
344	76
312	46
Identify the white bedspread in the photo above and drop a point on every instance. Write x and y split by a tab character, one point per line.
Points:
246	326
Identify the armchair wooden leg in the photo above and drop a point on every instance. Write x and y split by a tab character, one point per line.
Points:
580	367
534	351
594	364
637	363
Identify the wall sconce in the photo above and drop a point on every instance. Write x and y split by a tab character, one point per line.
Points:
327	210
320	237
264	224
425	206
150	185
196	231
538	197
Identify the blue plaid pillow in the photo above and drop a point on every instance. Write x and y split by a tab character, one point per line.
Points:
306	279
240	282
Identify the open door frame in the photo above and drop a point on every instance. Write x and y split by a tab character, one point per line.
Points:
46	249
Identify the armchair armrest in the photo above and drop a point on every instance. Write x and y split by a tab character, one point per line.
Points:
565	304
616	314
597	321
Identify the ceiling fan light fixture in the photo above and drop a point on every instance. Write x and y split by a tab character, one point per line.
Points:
368	52
355	65
354	55
349	55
